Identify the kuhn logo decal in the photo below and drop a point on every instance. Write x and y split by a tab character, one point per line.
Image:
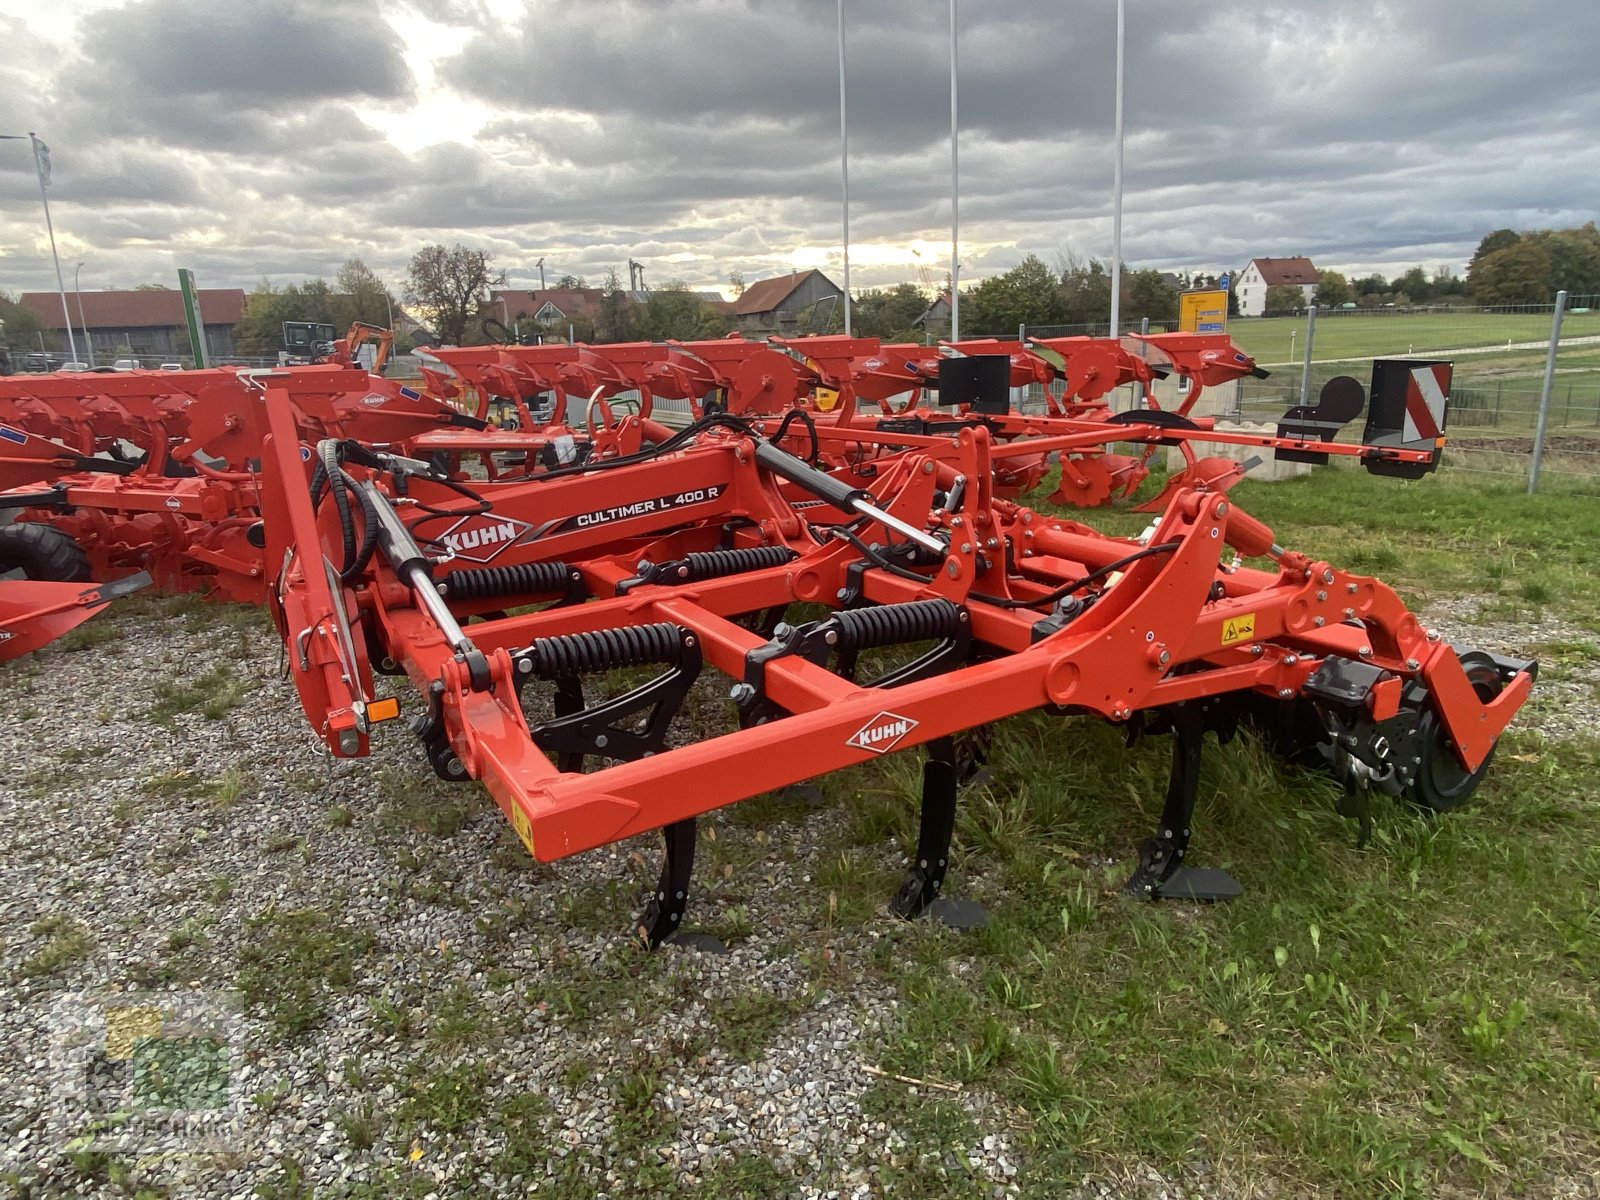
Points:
882	734
480	537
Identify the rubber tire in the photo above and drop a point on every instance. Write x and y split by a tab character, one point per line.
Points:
1441	784
42	553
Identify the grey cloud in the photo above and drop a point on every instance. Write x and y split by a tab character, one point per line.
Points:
706	131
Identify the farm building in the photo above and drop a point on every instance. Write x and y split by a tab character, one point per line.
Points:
145	321
1265	273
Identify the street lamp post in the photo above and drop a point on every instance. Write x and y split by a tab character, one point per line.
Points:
41	164
88	342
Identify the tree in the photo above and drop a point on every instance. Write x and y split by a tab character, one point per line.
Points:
1517	274
1028	294
1147	294
362	296
1574	259
1283	300
615	323
571	281
1414	283
674	312
448	287
736	283
18	325
266	309
1085	292
889	313
1370	285
1333	290
1498	240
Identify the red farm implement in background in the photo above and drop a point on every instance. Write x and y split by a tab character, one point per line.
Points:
44	588
156	470
845	612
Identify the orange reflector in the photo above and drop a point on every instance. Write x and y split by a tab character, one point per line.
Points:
383	710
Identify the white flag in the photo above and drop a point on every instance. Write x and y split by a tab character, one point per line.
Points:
42	153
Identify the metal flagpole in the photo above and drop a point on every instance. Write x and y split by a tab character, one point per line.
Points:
955	208
844	171
1116	186
41	160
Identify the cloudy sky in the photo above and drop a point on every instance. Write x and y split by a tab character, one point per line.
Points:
260	140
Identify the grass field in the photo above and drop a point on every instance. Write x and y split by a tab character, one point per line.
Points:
1360	335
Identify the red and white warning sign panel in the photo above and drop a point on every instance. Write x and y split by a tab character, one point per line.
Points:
1425	400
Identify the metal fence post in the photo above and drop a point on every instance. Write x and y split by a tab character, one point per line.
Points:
1305	371
1544	392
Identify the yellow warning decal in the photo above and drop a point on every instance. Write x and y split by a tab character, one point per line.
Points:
827	398
524	828
1239	629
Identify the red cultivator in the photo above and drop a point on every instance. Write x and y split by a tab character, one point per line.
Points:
155	470
892	601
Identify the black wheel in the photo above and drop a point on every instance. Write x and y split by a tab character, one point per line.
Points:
42	552
1441	782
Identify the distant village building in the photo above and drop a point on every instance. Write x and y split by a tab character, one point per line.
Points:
547	307
774	305
148	322
936	317
1263	273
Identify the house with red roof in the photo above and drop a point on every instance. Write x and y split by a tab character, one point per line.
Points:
144	323
1263	273
774	305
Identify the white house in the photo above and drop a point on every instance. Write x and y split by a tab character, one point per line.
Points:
1263	273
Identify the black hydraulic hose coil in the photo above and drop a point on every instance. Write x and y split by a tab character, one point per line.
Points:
523	579
713	564
606	650
895	624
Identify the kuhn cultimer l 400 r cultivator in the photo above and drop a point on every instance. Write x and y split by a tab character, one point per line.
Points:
715	548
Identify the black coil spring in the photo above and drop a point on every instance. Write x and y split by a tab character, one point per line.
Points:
713	564
894	624
606	650
538	579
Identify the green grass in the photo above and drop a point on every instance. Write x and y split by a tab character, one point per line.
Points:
1363	335
294	963
1444	535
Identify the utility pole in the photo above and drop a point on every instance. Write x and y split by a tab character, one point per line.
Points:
844	171
955	207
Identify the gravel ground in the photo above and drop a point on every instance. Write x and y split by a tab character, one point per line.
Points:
463	1020
364	987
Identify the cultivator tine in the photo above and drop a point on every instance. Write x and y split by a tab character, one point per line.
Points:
663	913
922	890
1162	873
